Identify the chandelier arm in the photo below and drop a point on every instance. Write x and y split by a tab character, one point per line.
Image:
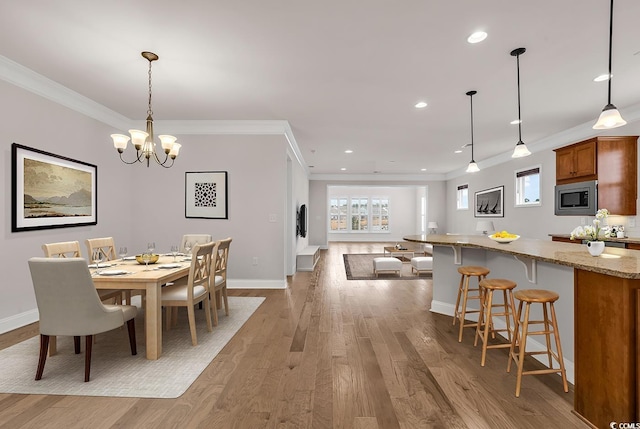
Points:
138	159
157	159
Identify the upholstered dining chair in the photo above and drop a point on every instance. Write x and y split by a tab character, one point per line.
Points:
219	281
71	249
69	305
194	239
196	290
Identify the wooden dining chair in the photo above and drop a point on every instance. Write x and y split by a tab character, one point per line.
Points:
107	248
196	290
68	304
194	239
219	283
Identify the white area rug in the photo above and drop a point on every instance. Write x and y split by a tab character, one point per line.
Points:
114	371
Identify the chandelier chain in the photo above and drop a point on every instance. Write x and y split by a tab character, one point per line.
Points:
149	110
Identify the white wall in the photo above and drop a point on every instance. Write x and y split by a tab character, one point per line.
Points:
404	208
137	204
534	222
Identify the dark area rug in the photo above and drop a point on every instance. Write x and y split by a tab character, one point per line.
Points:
359	266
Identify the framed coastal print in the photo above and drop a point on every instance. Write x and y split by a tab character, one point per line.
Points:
489	203
51	191
206	195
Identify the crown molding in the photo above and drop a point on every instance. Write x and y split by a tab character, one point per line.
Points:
27	79
379	177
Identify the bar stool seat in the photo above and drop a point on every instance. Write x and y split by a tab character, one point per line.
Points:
485	324
546	298
461	312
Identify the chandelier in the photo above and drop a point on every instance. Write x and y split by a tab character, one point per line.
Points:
143	141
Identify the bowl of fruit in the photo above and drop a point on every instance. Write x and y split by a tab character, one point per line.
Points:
504	237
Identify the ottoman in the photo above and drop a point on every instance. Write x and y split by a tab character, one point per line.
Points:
421	263
386	264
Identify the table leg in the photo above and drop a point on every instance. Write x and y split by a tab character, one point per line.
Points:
153	321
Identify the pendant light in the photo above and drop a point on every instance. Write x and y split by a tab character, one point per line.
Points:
610	117
521	148
473	167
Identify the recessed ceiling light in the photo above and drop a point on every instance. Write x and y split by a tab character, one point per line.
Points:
421	104
348	151
477	37
423	169
343	169
515	122
602	77
457	151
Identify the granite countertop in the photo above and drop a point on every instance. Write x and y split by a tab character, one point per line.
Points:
618	240
615	262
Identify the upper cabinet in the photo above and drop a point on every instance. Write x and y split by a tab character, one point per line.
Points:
612	161
576	163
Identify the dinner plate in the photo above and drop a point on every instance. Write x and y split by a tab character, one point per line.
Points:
169	266
129	258
100	265
113	272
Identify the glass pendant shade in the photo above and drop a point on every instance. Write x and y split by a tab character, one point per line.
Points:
520	150
120	141
472	167
609	118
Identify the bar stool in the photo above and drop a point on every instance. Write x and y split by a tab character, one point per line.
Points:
485	323
546	298
467	272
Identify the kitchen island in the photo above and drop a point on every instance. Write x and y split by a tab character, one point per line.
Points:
598	309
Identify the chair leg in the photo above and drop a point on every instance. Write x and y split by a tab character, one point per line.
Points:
53	345
226	301
214	307
131	326
207	312
76	344
192	324
87	356
44	346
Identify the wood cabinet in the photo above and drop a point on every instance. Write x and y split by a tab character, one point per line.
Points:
612	161
565	239
576	163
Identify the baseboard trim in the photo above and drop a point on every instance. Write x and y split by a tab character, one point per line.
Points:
18	320
256	284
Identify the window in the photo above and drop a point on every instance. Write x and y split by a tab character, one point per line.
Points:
338	214
359	214
379	214
462	197
528	187
362	214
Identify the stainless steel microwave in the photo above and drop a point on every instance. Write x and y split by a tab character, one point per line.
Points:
577	199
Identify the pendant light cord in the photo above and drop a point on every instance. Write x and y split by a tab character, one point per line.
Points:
472	157
519	116
610	47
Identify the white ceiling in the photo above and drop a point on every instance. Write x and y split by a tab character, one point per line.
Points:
344	74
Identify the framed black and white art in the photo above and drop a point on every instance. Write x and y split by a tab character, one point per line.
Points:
490	202
206	195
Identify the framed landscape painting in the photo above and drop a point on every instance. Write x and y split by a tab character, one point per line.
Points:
490	202
206	195
51	191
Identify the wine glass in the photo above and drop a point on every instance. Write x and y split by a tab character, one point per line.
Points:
187	248
146	258
123	252
174	252
96	257
151	246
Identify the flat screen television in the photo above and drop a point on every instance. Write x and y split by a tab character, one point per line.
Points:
302	221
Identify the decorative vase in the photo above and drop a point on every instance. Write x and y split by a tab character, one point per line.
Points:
595	247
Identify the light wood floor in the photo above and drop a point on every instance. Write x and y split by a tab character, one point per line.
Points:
328	353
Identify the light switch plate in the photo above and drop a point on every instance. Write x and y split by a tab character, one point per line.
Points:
273	217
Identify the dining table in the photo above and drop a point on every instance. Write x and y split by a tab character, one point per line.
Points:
128	274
